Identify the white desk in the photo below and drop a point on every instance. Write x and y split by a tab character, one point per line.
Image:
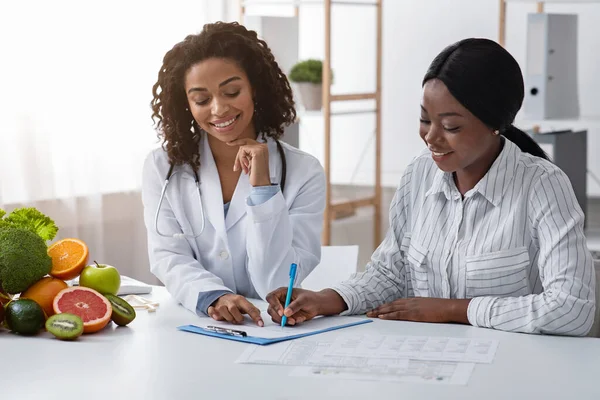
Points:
151	359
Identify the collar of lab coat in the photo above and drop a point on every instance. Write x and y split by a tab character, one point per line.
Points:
212	196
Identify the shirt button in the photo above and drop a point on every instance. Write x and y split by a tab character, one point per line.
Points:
224	255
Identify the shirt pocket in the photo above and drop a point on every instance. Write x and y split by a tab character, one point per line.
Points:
501	273
416	263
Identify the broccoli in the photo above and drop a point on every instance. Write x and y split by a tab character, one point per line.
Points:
24	259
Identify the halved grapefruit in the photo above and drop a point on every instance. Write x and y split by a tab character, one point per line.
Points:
93	308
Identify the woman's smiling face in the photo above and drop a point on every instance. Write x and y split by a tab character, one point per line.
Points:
220	99
458	141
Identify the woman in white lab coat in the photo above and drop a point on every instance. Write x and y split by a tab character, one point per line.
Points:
484	230
240	206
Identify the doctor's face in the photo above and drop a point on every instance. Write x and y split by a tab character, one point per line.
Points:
219	96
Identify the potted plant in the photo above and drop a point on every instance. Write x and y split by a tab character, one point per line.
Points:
307	75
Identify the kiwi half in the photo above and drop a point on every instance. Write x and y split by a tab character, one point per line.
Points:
122	312
65	326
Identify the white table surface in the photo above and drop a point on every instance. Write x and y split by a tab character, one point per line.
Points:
151	359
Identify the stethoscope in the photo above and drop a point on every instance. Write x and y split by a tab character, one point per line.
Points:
170	174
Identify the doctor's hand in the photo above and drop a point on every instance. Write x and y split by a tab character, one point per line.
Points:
423	309
253	159
231	307
305	304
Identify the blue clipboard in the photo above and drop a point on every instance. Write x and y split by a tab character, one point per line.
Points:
265	341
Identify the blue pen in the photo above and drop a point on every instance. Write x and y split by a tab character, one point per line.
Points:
289	292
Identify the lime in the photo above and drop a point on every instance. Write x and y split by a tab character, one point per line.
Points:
24	316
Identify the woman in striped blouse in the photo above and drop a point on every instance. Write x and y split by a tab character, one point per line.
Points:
484	230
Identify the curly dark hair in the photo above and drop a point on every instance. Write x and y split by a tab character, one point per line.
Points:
274	103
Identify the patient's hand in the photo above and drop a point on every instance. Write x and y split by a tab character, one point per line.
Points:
423	309
231	307
305	304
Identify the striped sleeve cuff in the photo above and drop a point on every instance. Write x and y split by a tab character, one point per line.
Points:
350	297
480	310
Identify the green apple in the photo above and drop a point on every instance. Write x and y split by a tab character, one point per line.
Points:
102	278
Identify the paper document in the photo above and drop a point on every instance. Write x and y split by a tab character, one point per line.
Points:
313	356
309	353
413	371
415	347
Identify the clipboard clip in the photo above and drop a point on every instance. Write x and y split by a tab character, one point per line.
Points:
225	331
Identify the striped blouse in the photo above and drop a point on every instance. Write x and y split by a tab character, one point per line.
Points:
514	245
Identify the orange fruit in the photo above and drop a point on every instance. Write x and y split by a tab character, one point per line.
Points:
93	308
69	257
44	291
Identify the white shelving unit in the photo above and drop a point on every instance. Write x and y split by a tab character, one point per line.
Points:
277	23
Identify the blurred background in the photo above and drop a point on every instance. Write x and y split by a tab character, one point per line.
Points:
76	80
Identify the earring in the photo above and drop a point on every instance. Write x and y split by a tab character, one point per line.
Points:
496	132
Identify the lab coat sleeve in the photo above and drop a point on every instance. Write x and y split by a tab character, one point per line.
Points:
172	260
278	236
384	279
567	304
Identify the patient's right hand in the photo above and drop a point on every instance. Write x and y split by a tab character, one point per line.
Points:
231	307
305	304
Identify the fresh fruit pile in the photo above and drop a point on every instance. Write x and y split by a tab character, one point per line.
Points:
33	291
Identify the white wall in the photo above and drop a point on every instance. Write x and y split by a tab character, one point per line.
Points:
414	31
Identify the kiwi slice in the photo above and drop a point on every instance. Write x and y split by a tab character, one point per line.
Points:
65	326
122	312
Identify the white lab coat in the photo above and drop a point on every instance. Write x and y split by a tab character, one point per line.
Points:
250	251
